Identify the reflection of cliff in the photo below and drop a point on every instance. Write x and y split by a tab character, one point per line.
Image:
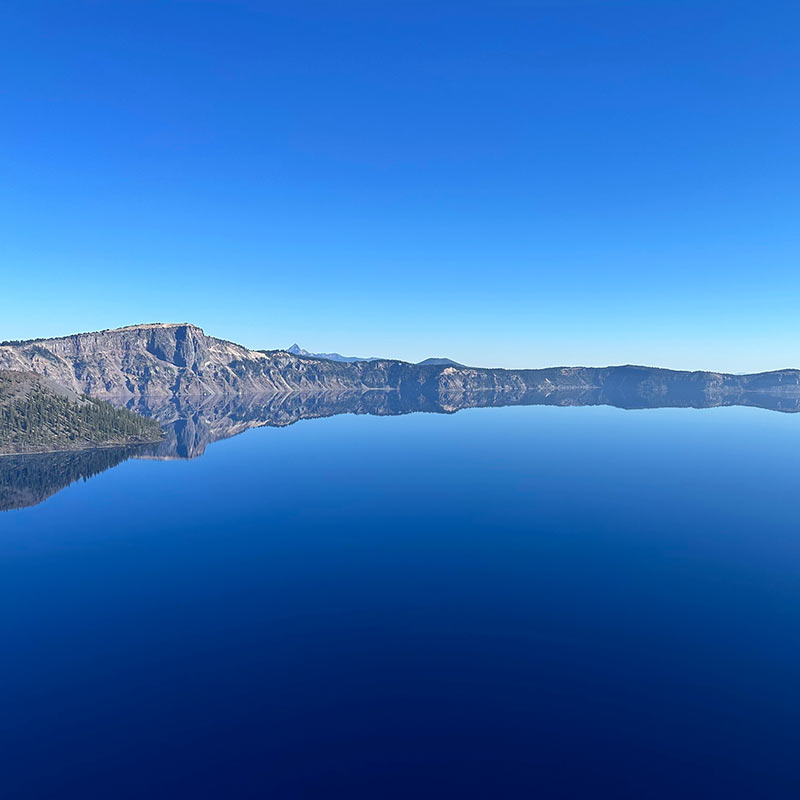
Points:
192	423
26	480
627	398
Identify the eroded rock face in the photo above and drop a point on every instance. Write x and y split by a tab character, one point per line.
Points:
144	359
173	360
162	360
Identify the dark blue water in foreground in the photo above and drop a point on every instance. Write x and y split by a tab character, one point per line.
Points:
502	603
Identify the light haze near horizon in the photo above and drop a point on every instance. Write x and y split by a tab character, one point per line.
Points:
502	183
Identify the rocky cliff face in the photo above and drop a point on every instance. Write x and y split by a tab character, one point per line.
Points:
180	360
168	361
143	359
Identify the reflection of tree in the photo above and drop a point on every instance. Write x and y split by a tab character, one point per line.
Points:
190	424
26	480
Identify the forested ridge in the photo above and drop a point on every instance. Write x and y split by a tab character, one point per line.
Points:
36	416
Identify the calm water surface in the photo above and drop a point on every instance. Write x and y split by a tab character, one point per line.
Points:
501	603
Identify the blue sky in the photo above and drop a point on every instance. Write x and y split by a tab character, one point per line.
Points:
506	183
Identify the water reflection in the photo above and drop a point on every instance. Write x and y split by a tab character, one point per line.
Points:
190	424
27	480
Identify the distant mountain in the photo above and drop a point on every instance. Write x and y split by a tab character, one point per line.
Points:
439	362
296	350
38	415
180	360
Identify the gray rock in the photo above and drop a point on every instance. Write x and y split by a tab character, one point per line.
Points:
163	360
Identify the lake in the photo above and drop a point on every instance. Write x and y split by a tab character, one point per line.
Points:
556	602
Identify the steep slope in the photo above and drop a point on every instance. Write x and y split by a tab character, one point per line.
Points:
37	415
141	359
161	360
173	360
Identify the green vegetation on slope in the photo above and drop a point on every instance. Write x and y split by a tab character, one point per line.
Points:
36	415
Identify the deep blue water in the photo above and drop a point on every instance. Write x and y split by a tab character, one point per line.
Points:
501	603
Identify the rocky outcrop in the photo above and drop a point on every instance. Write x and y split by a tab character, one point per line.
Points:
173	361
143	359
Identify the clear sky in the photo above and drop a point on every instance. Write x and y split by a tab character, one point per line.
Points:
508	182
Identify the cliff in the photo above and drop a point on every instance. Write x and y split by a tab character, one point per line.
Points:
161	360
